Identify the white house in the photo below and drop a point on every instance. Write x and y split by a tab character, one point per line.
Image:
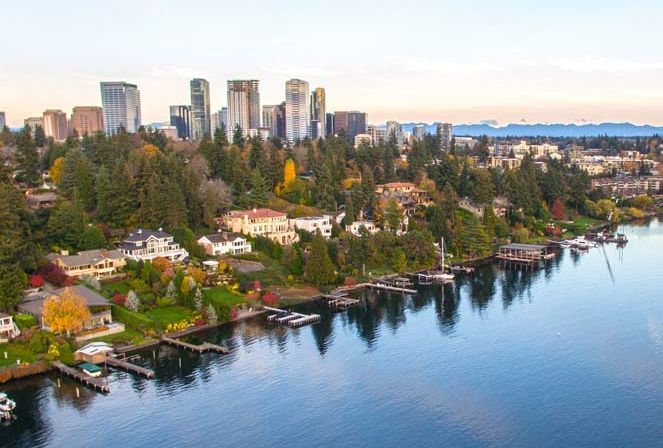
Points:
356	226
150	244
224	243
313	224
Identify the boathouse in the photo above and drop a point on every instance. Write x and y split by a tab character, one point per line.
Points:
524	253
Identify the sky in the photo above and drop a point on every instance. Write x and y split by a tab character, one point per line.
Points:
506	61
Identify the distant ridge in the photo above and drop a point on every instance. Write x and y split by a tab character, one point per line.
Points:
548	130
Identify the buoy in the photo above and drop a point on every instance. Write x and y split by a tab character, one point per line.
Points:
154	354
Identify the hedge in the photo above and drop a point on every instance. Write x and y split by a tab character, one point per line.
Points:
134	320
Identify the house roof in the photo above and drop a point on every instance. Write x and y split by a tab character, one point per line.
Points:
89	367
95	347
34	304
89	257
256	213
396	185
222	237
145	234
312	218
524	247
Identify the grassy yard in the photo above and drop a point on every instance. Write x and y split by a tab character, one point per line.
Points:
16	351
169	314
129	335
223	296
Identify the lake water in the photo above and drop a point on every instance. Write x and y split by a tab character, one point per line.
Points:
569	355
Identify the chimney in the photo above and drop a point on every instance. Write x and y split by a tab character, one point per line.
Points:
160	229
139	231
255	210
64	252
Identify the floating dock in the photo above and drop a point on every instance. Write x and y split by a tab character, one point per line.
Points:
100	384
202	348
290	318
342	303
524	253
128	367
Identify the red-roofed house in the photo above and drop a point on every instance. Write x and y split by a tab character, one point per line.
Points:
261	222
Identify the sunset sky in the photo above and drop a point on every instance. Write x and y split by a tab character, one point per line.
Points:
422	60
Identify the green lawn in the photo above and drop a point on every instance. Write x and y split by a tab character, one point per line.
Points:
15	351
169	314
223	296
24	321
129	335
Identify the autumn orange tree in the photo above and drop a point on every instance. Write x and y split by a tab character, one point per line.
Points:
66	313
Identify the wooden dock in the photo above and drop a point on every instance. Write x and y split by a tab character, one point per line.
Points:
290	318
341	302
202	348
386	287
129	367
100	384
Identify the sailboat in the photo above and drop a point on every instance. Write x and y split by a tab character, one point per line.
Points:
441	275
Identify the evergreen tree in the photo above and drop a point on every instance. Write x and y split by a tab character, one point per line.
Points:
27	159
40	136
258	194
238	137
319	267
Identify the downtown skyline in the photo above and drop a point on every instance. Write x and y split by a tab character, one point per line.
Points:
460	63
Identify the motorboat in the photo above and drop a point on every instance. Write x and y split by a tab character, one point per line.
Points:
7	407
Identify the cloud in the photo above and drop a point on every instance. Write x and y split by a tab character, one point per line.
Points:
589	65
491	122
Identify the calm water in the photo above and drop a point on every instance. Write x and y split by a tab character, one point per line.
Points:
571	355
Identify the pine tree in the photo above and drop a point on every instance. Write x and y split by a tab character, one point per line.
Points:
198	299
132	303
211	314
259	190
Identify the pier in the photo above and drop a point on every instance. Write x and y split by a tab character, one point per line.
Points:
202	348
100	384
128	367
290	318
524	253
387	287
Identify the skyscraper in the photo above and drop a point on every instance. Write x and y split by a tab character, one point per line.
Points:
318	113
55	124
444	135
243	106
180	117
200	109
121	104
419	132
270	118
3	120
352	123
280	121
87	120
329	123
297	110
223	118
395	130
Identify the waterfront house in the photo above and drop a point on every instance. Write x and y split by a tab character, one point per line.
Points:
8	328
144	245
314	223
94	352
100	309
406	194
261	222
225	243
98	263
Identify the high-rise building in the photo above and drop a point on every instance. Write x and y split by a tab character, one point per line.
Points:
243	106
394	130
200	109
280	121
297	110
87	120
223	118
377	134
180	117
270	118
352	123
318	113
121	104
419	132
55	124
329	123
33	122
444	135
3	120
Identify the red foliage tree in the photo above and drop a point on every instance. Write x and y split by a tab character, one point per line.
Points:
557	209
350	281
36	281
54	275
257	286
270	299
119	299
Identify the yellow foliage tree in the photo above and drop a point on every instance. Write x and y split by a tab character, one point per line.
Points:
197	274
56	170
289	172
66	313
150	150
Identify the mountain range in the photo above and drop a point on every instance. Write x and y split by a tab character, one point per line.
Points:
547	130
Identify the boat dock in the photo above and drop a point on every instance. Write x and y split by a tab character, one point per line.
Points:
340	301
204	347
387	287
100	384
524	253
128	367
290	318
